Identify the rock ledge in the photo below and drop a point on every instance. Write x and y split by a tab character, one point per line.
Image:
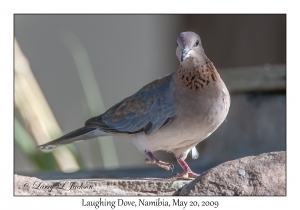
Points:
264	174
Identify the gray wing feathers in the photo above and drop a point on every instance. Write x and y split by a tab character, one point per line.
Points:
147	110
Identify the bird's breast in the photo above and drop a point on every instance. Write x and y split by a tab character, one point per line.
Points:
201	113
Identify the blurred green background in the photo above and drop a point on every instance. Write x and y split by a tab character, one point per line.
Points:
84	64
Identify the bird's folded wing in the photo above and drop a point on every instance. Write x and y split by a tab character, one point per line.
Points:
147	110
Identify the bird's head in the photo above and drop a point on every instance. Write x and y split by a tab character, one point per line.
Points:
189	48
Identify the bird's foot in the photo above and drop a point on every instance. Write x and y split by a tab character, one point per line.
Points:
187	172
154	160
167	166
187	175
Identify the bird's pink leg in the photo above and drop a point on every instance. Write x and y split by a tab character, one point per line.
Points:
154	160
187	172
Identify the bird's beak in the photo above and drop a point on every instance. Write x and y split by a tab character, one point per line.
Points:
184	54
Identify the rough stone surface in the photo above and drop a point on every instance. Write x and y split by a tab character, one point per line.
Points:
130	187
264	174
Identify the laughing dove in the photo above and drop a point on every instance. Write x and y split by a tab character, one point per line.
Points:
173	113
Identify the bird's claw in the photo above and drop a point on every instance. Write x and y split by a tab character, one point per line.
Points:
171	167
167	166
187	175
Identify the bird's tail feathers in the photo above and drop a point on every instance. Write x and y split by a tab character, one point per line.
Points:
195	153
77	135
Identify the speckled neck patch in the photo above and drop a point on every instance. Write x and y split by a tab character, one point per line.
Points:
199	77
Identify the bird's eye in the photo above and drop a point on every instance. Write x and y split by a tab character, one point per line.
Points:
197	43
176	44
